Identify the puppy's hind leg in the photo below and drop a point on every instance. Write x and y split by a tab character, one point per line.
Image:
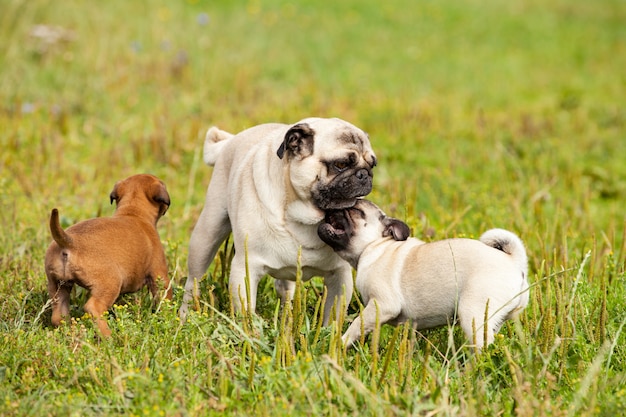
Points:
59	293
476	322
99	302
159	272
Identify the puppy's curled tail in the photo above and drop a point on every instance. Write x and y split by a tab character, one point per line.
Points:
508	243
58	234
214	143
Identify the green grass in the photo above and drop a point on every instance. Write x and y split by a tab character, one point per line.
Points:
482	114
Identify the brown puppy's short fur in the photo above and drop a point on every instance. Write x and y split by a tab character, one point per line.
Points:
110	256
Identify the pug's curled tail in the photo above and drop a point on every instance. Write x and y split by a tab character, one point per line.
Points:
214	143
58	234
508	243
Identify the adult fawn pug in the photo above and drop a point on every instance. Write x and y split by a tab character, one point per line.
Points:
479	283
270	186
110	256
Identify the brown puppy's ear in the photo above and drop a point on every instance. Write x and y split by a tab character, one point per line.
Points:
161	197
298	141
114	196
396	229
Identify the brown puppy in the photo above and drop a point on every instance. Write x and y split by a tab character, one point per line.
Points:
110	256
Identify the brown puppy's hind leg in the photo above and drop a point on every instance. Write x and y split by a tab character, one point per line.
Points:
159	272
60	296
96	306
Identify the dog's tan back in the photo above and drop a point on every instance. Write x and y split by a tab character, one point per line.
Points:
110	255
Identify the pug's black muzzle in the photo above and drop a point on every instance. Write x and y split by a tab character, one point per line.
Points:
344	190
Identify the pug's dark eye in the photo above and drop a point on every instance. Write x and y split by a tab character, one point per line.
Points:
341	165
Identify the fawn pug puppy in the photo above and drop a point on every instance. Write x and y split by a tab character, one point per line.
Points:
270	186
479	283
110	256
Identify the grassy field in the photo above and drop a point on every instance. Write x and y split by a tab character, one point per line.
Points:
482	113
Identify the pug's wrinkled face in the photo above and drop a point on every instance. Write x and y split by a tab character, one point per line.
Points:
330	162
349	231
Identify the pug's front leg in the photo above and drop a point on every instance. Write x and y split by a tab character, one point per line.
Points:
339	288
243	294
374	312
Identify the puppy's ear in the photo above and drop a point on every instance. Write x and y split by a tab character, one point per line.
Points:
161	197
114	196
298	140
396	229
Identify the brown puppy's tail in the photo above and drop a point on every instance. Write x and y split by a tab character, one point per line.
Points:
58	234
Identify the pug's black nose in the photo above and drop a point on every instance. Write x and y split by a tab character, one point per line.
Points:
362	174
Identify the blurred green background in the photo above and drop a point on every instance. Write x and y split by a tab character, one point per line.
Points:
482	113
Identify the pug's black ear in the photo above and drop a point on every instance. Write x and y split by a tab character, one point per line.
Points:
396	229
298	141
